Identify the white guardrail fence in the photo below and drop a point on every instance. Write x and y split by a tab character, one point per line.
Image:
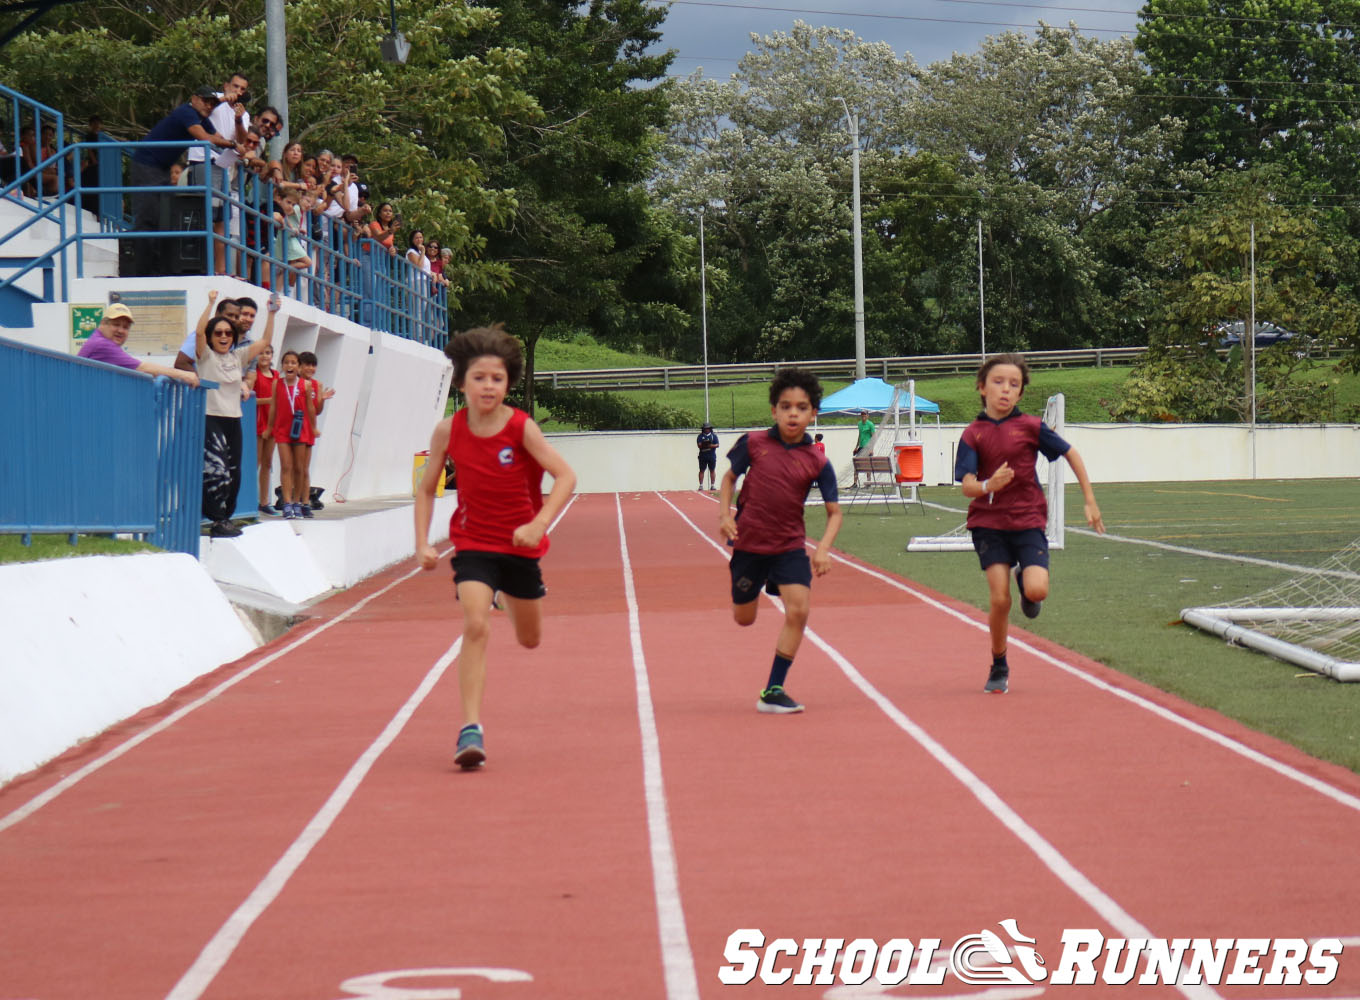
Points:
888	369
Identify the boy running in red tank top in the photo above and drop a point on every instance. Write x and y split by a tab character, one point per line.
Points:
499	529
1009	513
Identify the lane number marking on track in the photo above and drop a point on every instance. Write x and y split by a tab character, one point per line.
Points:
378	985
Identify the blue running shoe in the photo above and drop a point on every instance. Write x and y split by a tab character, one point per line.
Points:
470	753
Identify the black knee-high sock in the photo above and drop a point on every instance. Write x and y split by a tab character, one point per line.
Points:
779	671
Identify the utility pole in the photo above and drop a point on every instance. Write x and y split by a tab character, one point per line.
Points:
276	69
853	121
703	305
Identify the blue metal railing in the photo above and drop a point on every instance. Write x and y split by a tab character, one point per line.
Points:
22	113
88	447
348	275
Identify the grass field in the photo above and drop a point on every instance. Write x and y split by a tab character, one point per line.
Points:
1086	389
1119	601
13	550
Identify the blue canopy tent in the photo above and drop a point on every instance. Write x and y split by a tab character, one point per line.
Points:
873	395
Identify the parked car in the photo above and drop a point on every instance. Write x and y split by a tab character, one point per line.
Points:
1267	334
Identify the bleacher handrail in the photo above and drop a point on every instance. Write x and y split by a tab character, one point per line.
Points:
97	448
348	276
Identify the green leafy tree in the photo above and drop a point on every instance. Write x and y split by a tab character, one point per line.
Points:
582	249
417	129
1052	134
1208	282
1271	81
766	154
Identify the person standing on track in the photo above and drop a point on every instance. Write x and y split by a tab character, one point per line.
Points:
707	442
767	534
1008	514
499	529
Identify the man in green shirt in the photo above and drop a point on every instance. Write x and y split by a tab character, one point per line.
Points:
866	431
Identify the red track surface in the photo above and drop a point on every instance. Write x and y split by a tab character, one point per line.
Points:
283	830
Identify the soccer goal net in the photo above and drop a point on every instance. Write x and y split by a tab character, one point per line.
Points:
1312	621
1050	475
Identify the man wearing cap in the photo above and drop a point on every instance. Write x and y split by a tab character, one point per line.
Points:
229	118
106	345
708	455
150	166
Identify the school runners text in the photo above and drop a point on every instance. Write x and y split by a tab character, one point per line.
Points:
1011	957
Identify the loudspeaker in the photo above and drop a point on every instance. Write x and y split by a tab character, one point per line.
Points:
184	255
139	258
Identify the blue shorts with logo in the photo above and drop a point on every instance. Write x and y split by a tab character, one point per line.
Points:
1028	547
753	570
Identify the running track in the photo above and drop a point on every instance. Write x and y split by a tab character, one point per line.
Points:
292	827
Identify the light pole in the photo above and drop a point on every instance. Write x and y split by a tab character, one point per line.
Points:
276	69
703	305
859	254
394	46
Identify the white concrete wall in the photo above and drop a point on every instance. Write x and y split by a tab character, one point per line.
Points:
405	391
606	462
91	641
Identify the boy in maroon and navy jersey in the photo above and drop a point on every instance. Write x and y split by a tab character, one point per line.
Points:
1008	515
767	533
500	527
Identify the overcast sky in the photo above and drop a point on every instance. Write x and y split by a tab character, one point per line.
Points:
714	34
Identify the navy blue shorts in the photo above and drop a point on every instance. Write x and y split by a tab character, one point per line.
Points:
708	460
517	576
1026	548
753	570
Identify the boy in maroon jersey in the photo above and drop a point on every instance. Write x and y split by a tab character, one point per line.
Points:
500	527
1009	513
767	533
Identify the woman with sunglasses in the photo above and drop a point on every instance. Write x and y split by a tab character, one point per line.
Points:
436	260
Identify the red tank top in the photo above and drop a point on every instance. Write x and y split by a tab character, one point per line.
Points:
500	487
264	392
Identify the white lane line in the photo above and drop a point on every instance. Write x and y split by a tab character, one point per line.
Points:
38	801
1086	890
1293	774
75	777
682	981
1187	550
1227	742
219	950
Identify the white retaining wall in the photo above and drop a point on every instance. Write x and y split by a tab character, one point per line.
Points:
606	462
92	640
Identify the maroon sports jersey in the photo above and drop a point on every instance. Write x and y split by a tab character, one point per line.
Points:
1017	438
778	476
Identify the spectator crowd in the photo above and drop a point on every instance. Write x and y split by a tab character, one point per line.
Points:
309	209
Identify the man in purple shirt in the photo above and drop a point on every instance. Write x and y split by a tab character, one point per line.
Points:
106	345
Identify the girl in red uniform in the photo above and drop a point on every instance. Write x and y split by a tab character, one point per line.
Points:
261	382
499	529
307	497
290	409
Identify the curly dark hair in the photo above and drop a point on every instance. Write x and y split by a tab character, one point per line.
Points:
479	342
796	378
